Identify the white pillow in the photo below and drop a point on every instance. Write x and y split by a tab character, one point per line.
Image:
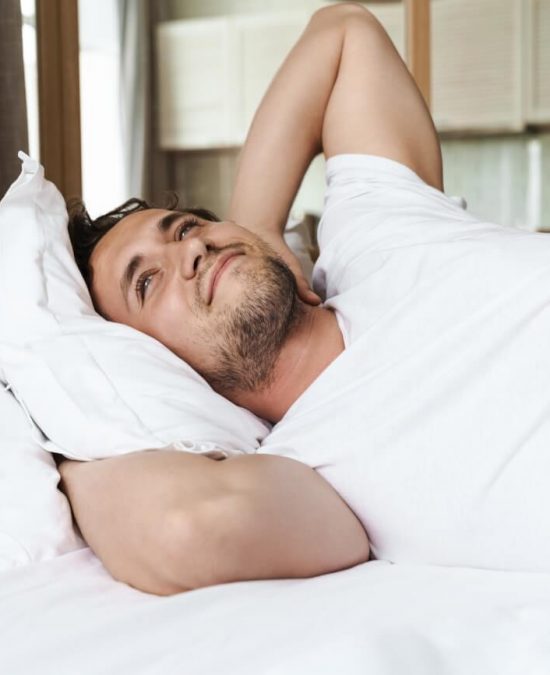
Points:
35	517
93	387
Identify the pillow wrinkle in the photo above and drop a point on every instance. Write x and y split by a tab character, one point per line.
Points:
119	397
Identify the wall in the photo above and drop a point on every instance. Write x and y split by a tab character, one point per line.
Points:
501	177
504	179
188	9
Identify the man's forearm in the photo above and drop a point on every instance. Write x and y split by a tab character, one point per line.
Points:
167	521
286	132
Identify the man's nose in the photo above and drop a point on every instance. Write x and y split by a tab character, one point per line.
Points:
187	256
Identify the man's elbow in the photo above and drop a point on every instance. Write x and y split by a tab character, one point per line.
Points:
341	12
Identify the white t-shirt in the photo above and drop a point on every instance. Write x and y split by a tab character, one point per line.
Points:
434	422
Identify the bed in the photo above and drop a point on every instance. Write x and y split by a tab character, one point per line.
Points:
67	615
62	612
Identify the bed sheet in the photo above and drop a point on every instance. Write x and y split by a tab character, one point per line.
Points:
68	616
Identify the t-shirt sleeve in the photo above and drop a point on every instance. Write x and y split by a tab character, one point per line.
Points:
375	206
389	197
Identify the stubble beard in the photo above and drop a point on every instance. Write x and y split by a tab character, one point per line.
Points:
250	336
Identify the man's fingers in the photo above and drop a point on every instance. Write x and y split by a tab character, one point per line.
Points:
306	293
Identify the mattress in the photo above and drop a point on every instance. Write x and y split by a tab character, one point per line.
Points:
68	616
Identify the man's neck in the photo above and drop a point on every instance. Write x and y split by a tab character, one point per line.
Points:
315	343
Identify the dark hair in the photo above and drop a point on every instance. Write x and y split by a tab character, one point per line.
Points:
85	233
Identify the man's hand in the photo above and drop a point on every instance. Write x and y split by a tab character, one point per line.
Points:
279	245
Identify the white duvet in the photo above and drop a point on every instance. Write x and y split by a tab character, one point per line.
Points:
68	617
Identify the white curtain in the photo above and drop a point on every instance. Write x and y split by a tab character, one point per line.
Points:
134	92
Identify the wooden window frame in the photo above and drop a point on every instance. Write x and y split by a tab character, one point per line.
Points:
59	93
418	44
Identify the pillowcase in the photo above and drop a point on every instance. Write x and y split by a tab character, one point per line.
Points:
35	517
94	388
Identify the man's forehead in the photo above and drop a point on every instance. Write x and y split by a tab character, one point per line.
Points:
130	229
141	221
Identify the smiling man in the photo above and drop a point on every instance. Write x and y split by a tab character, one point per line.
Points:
217	295
223	300
229	297
410	407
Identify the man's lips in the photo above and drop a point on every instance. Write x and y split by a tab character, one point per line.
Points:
217	270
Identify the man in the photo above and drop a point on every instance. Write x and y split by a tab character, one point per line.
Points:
217	294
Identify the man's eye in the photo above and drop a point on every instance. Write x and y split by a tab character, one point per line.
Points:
184	228
142	284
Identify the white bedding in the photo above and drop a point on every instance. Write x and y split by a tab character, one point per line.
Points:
67	616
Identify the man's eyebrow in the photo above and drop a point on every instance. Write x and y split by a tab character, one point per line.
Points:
166	222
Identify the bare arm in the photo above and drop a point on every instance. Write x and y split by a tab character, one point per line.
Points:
342	89
166	521
282	519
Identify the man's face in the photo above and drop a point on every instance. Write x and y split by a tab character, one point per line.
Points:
213	293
